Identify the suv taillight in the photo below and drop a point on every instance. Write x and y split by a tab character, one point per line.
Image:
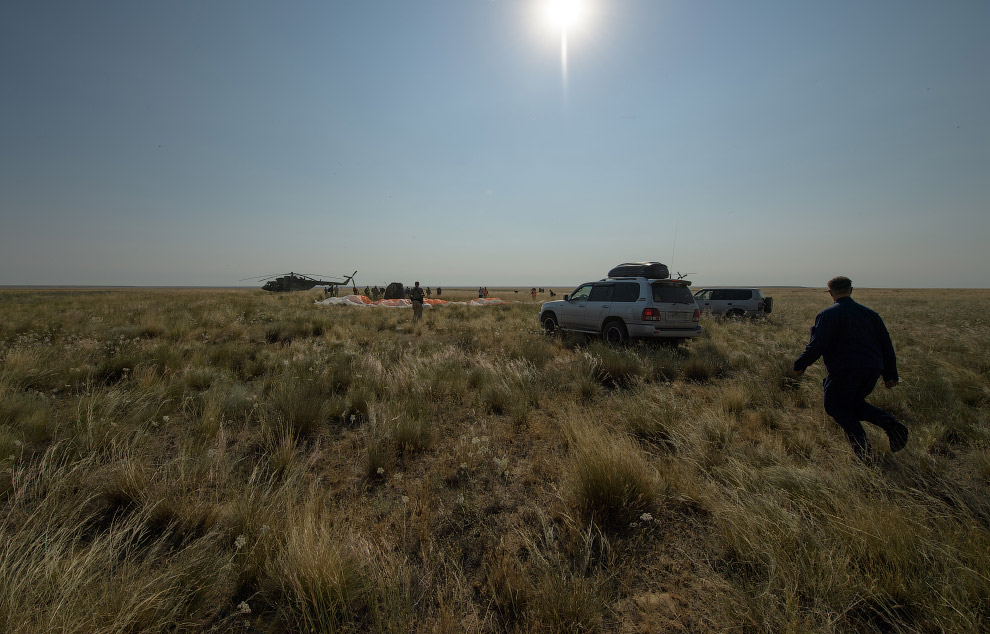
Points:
651	314
697	315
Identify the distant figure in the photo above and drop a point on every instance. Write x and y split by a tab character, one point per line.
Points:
439	291
367	292
532	292
552	294
428	293
355	289
857	349
481	292
486	291
416	297
326	291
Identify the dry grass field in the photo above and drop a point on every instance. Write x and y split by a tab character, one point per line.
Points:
237	461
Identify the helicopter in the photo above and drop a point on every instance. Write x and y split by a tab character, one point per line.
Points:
298	281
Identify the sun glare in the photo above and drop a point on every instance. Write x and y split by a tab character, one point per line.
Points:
564	14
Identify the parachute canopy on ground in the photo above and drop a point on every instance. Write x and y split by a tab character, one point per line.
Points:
361	300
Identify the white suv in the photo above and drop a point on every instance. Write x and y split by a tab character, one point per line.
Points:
623	307
734	302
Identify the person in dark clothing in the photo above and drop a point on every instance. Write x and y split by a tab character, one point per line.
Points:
416	297
857	351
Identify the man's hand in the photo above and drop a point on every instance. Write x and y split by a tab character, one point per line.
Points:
891	383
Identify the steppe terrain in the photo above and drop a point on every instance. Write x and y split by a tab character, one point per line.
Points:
238	461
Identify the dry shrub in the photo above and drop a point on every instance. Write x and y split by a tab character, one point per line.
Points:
609	479
564	603
733	399
706	361
380	448
304	406
315	579
507	584
652	414
614	367
664	362
199	377
411	434
59	573
286	332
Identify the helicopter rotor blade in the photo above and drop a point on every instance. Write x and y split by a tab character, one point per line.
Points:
260	277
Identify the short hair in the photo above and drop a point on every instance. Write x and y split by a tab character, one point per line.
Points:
840	284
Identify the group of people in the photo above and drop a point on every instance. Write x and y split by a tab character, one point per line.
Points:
375	293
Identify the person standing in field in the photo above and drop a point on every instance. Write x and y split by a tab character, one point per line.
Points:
416	297
857	351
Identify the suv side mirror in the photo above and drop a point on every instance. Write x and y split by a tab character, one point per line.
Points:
566	297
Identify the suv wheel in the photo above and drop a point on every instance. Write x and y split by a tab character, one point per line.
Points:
549	323
614	333
735	313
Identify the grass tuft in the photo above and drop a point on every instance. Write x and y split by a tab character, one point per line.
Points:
611	483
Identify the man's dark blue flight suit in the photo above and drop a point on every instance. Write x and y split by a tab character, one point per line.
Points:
857	351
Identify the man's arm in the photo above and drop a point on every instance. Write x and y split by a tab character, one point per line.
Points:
821	336
890	376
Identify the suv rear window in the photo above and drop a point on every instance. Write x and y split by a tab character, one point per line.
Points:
626	292
672	294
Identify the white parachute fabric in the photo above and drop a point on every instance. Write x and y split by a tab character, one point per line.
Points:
361	300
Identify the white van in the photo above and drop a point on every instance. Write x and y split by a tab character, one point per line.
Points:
734	302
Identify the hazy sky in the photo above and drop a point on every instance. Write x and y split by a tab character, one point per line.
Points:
200	142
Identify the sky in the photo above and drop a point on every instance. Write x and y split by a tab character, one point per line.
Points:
202	142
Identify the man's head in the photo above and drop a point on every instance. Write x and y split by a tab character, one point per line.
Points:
417	284
840	286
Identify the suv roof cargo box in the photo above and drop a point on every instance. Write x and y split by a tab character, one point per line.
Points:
649	270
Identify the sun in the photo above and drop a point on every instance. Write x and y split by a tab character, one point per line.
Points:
564	14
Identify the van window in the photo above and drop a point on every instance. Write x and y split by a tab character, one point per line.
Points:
731	294
626	292
672	294
600	293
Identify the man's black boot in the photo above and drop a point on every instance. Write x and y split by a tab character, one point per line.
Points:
898	435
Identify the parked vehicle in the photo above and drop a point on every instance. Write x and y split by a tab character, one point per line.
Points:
623	307
734	302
